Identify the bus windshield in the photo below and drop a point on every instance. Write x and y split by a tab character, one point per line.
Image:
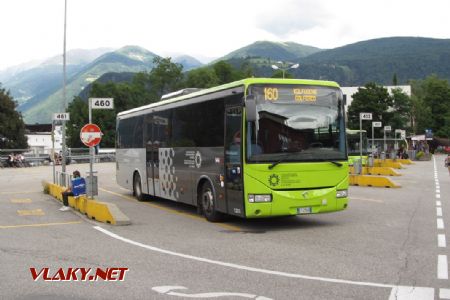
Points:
296	123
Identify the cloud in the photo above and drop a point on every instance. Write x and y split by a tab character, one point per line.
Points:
284	19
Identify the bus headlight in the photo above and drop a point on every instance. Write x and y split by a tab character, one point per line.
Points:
342	194
259	198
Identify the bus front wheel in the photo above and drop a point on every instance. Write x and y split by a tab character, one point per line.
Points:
208	202
137	187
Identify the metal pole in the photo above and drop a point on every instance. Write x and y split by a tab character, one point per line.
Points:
373	139
91	155
360	138
384	140
63	163
53	151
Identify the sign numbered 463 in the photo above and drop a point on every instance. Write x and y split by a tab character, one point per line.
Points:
365	116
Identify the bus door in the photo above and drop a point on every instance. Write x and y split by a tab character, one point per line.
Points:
160	138
233	161
149	153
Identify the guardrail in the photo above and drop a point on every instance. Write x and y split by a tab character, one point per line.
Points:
31	161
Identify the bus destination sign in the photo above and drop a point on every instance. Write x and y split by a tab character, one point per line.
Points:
297	94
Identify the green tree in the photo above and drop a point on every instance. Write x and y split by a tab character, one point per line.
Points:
431	106
421	116
12	127
437	97
374	99
246	70
165	77
78	110
394	79
201	78
400	110
126	96
225	72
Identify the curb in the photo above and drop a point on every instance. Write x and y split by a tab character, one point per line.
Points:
374	181
96	210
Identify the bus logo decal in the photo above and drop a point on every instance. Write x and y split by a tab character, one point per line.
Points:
198	160
193	159
274	180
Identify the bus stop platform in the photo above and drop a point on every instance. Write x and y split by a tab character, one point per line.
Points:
372	181
96	210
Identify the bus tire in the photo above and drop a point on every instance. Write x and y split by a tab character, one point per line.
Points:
208	203
137	187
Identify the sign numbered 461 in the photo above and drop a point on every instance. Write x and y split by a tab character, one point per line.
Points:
61	117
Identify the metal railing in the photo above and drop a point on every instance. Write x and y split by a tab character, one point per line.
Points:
62	178
31	159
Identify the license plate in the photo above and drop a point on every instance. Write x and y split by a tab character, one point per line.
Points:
304	210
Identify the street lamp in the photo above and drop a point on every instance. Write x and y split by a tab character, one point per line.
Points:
284	67
63	163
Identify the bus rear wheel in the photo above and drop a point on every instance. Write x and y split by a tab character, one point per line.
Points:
137	187
208	203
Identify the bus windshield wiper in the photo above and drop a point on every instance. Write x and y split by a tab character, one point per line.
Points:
332	162
336	163
282	159
275	163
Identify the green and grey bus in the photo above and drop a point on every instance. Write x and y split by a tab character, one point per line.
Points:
253	148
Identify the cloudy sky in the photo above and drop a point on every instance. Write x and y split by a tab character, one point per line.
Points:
33	29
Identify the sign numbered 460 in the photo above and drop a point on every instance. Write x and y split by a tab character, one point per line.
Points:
102	103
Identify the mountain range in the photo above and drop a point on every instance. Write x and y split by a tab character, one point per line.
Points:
38	87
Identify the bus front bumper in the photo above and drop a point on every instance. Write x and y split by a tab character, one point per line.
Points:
297	202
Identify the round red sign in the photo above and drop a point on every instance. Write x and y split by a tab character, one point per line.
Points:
91	135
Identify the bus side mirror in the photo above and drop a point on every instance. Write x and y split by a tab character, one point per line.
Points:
250	108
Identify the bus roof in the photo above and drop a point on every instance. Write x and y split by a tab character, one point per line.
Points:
244	82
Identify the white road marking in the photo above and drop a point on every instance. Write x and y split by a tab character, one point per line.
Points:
411	293
168	291
438	196
440	223
367	199
442	243
438	191
442	268
439	211
438	203
444	293
404	291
